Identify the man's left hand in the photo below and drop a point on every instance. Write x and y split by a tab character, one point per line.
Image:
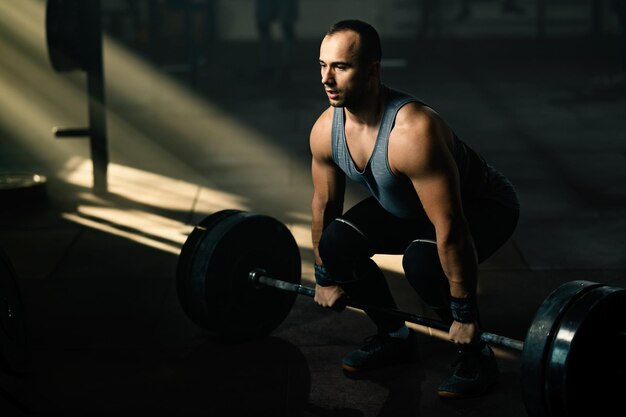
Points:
327	296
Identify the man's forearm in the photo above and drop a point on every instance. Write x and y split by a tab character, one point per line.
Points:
458	260
322	213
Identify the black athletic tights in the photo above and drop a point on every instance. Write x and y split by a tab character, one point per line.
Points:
349	242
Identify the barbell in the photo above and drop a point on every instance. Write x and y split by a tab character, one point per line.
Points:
239	273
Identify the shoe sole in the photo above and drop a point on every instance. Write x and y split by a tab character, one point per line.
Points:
349	368
410	359
451	394
352	369
448	394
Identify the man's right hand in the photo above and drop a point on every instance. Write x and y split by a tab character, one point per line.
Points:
464	333
327	296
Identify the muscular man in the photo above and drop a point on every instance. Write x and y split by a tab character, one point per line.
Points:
433	199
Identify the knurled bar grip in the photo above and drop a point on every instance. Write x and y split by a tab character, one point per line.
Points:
490	338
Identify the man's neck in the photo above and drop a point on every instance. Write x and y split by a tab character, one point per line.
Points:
370	111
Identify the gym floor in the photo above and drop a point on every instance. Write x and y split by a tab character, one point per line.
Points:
97	272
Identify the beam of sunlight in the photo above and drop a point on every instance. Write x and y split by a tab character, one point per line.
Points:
153	188
165	113
144	207
135	237
26	19
195	122
34	98
30	119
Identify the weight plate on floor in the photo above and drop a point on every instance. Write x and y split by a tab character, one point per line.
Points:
18	189
20	181
222	299
586	369
14	350
536	352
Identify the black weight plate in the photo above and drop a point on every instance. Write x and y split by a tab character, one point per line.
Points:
17	188
66	34
586	373
225	302
14	348
187	253
21	181
537	343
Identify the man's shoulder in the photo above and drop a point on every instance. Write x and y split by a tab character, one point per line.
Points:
416	115
418	125
324	122
320	139
327	115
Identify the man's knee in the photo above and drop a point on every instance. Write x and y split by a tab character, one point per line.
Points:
343	245
423	270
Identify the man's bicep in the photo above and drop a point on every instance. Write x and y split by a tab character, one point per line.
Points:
436	182
328	181
439	197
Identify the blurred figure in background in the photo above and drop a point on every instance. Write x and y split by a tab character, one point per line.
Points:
272	61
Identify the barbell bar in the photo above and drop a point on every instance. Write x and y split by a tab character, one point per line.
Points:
238	275
259	276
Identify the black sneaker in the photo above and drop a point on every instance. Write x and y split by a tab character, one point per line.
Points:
380	350
475	371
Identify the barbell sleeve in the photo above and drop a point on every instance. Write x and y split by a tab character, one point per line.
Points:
258	276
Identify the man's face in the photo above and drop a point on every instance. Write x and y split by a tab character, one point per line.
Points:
343	76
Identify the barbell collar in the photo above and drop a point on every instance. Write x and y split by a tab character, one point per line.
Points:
258	277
